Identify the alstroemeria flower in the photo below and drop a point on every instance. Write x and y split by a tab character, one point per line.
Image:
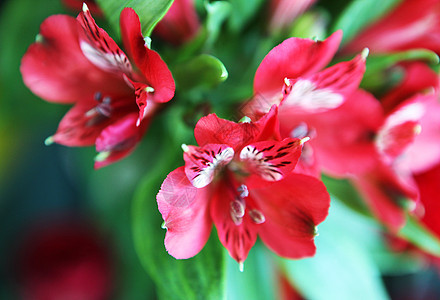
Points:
75	61
291	76
180	24
240	177
413	24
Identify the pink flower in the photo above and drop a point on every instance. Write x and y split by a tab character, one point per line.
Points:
240	177
284	12
75	61
180	24
412	24
291	76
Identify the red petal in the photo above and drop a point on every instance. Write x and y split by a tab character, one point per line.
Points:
284	12
180	24
412	24
119	139
344	136
213	130
292	207
184	210
327	89
271	160
418	77
156	72
237	237
201	163
384	189
293	58
56	69
99	47
430	197
80	128
399	131
424	152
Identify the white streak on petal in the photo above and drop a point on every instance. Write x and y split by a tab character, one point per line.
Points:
206	175
304	94
106	61
256	159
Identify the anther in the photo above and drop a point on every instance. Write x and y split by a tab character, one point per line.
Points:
256	216
98	96
237	208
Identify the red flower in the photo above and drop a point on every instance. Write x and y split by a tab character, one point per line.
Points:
290	75
413	24
75	61
240	178
65	260
180	24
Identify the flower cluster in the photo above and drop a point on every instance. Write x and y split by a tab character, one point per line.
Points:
311	111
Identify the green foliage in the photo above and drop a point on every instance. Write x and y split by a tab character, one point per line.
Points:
242	12
420	236
150	12
359	14
201	72
218	12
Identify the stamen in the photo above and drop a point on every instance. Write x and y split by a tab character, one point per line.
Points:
98	96
238	207
300	131
147	42
243	190
303	140
107	100
164	225
257	216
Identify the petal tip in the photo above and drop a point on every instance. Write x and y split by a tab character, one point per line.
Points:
85	8
365	52
49	141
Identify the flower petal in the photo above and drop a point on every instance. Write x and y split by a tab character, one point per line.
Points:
156	72
325	90
237	235
81	125
119	139
99	47
293	58
213	130
272	160
201	163
184	210
399	130
293	207
382	190
56	69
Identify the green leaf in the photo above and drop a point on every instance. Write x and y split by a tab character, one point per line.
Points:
419	235
377	73
346	193
258	279
203	71
201	277
218	12
150	12
242	12
360	13
343	267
